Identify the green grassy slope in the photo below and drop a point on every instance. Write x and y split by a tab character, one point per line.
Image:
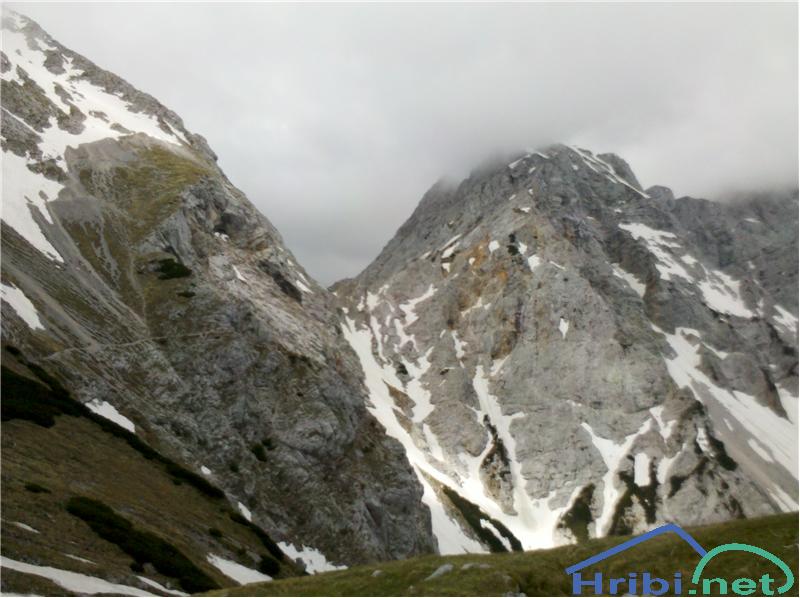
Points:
94	491
541	573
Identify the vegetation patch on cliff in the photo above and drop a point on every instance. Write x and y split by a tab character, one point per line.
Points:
143	547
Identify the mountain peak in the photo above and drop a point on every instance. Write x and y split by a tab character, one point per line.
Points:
547	328
140	282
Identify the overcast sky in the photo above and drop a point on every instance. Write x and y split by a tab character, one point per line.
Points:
335	119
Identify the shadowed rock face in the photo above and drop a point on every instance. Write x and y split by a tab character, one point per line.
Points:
578	356
135	272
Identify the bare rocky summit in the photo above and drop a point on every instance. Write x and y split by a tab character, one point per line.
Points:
577	356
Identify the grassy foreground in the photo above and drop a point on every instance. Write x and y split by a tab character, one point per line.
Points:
82	494
541	572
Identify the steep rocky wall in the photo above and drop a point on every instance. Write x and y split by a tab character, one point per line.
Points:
577	356
135	272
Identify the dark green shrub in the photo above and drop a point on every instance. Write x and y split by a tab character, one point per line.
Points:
273	548
473	514
269	566
186	294
579	516
721	454
36	488
143	547
169	268
280	280
214	532
27	399
259	452
200	483
238	518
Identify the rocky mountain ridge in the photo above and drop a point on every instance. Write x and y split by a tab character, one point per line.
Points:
543	353
138	276
577	356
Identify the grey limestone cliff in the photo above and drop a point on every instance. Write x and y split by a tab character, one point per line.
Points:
576	356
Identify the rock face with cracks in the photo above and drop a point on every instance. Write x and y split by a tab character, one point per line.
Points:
135	273
575	356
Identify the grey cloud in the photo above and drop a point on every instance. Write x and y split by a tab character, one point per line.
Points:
335	119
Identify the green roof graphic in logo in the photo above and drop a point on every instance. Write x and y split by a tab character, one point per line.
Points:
747	586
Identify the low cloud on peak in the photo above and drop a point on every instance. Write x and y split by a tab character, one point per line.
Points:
335	119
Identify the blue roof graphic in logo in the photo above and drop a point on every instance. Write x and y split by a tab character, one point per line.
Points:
664	529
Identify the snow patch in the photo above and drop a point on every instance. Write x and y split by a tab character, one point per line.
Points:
313	559
789	402
497	365
777	433
612	455
409	307
605	169
785	319
21	305
488	526
449	251
159	587
459	346
761	450
664	427
632	281
720	291
665	465
238	573
108	411
244	511
432	441
239	275
781	498
641	470
24	190
536	519
24	193
26	527
534	262
703	442
73	582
